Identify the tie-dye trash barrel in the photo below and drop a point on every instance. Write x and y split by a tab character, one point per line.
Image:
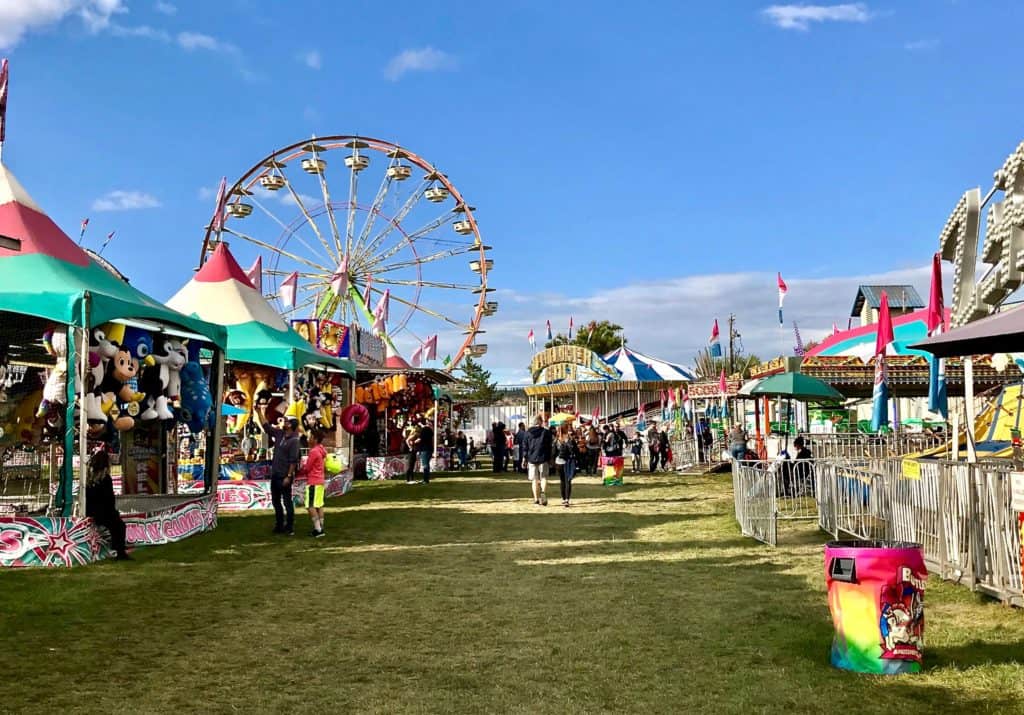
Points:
613	467
876	596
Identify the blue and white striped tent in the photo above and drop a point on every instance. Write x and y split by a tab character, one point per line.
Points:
642	368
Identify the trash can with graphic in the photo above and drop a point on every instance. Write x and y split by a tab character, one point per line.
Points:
876	596
613	467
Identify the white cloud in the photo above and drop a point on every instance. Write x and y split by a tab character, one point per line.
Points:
800	17
426	59
165	8
921	45
145	31
671	319
311	59
19	17
121	200
198	41
206	193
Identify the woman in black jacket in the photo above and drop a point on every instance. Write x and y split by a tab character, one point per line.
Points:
565	462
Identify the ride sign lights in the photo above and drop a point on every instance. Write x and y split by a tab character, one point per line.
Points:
1003	250
571	363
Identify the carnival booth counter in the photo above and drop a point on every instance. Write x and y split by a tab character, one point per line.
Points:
272	372
90	364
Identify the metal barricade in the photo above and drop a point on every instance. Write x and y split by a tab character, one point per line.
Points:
754	497
857	445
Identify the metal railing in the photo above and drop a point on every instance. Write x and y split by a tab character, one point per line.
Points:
856	445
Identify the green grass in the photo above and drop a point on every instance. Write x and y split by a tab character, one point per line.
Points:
463	597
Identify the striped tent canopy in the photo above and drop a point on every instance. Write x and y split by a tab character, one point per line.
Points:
642	368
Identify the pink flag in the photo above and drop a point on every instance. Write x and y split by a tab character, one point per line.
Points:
417	356
884	335
936	320
430	351
288	290
381	312
366	293
81	235
339	281
3	98
723	384
532	339
782	295
255	274
835	329
217	224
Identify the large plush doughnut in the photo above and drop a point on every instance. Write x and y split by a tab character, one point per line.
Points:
355	419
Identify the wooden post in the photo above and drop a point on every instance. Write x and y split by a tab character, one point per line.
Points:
83	417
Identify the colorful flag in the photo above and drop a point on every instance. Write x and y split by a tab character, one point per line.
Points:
570	327
255	274
782	295
938	400
366	292
549	330
383	309
105	242
447	360
798	350
723	384
217	224
289	287
835	330
430	348
3	98
339	281
714	344
81	234
533	340
880	393
417	356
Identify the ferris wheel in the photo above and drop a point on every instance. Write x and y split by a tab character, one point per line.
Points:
395	248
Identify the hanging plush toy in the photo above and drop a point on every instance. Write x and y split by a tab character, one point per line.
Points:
55	389
103	344
115	390
196	400
170	356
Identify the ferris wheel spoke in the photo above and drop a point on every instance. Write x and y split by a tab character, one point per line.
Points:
300	306
428	311
468	248
394	222
276	249
309	219
279	222
408	239
425	284
301	274
330	210
353	194
378	201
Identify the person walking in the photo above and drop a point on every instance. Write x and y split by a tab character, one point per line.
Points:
500	451
538	454
565	461
425	449
652	445
462	449
412	439
663	449
283	467
738	442
636	448
593	449
313	471
519	450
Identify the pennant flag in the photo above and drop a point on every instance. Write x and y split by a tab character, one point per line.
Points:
835	329
798	350
430	348
339	281
714	344
81	234
109	236
217	224
417	356
366	292
289	287
255	274
382	311
570	327
3	98
880	393
723	384
447	360
533	340
938	400
782	295
549	330
671	399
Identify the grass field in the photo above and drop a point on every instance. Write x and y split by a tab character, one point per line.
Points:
464	597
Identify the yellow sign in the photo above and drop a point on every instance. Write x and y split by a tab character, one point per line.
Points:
911	469
571	363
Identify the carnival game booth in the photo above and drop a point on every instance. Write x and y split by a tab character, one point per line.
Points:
572	378
73	335
392	397
272	372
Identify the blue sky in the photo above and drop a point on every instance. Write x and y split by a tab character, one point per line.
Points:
655	163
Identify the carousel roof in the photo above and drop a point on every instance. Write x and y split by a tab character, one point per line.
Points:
221	293
49	276
643	368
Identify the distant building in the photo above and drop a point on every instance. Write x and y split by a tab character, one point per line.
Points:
903	299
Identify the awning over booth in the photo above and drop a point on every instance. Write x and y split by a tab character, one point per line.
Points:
221	293
49	276
642	368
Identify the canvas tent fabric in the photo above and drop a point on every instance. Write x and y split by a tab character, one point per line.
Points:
220	292
999	333
49	277
908	329
638	367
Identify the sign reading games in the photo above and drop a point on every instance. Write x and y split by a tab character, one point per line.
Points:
571	363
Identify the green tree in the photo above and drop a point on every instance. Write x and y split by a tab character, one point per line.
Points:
475	384
710	368
601	336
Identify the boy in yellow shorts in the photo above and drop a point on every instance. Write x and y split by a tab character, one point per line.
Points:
313	470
